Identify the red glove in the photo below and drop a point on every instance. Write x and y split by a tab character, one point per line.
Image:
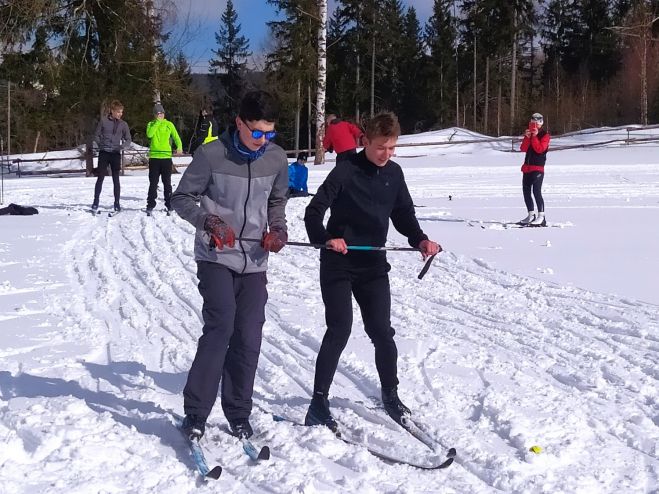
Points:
221	233
274	241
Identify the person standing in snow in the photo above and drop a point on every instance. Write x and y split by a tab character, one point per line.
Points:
206	129
297	177
237	183
535	144
363	193
340	137
161	132
112	135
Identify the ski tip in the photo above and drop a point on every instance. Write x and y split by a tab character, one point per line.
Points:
264	454
452	453
214	473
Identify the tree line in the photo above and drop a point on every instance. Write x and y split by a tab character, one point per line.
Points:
484	65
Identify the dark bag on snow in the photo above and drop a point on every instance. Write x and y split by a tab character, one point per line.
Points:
16	209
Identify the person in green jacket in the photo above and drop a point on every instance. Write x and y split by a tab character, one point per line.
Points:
161	132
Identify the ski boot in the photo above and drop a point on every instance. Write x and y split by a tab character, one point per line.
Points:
539	220
393	406
194	426
319	412
527	221
241	428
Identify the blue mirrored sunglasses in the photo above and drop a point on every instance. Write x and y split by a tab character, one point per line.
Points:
257	134
269	135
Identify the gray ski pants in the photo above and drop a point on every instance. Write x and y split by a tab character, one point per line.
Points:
228	350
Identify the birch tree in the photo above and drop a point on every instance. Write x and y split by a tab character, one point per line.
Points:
322	82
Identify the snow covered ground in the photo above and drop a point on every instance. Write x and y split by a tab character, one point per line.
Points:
515	337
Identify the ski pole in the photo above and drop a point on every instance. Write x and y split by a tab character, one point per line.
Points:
349	247
423	272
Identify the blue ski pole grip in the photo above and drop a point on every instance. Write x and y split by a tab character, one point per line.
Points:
361	247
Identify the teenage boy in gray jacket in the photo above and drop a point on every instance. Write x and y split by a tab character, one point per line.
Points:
240	181
112	135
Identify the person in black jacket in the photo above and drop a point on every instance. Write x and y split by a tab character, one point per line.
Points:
206	129
363	193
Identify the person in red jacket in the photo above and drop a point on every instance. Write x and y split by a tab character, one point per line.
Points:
535	144
341	137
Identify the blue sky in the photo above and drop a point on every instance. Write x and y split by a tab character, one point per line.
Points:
195	23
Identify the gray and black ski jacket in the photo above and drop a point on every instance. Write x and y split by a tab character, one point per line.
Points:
250	196
112	135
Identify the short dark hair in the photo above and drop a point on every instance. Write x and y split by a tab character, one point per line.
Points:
259	105
382	125
302	156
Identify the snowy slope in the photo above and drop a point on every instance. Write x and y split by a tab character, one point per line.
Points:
515	337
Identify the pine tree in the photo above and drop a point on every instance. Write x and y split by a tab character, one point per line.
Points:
440	38
291	67
561	33
87	54
413	111
599	44
230	63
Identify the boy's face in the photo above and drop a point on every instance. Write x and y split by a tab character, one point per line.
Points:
379	149
117	113
245	130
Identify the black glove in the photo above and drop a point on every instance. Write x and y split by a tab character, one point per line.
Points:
221	233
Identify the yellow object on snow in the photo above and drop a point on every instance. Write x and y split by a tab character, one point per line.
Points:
535	449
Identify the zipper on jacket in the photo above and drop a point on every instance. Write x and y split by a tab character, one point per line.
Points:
242	229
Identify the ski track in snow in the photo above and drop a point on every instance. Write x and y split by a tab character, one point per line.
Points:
490	361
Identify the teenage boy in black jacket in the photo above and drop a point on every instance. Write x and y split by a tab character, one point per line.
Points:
363	193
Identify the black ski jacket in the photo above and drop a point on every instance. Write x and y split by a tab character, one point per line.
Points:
362	197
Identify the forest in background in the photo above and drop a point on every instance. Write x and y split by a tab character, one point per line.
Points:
484	65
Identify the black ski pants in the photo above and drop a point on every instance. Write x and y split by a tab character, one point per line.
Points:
370	287
159	167
533	182
228	350
113	160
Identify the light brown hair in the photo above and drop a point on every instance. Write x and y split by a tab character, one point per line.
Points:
382	125
116	105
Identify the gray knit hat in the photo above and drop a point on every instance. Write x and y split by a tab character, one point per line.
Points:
158	108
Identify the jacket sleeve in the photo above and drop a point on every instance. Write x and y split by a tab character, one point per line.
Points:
151	128
126	136
525	144
304	175
177	139
540	145
291	176
355	131
278	198
193	184
404	218
97	133
314	214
